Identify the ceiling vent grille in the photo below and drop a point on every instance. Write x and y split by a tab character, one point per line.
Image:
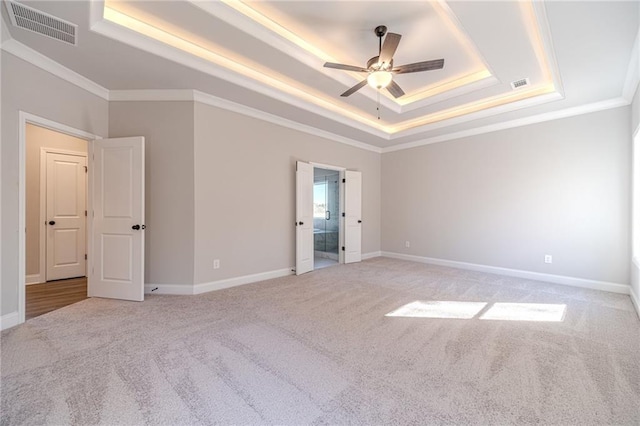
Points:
519	83
42	23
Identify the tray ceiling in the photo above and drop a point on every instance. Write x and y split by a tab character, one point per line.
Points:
270	55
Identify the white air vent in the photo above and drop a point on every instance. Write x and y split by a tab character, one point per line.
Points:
39	22
519	83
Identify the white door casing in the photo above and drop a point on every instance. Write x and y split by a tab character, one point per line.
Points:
304	217
353	217
65	226
116	177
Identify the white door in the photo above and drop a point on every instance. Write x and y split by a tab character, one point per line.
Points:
116	177
353	216
304	218
66	192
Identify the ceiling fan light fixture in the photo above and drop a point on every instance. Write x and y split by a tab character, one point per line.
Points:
379	79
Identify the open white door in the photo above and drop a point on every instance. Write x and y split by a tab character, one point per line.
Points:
304	217
353	216
116	179
66	188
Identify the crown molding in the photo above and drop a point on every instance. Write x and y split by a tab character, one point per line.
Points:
525	121
148	44
45	63
633	71
540	11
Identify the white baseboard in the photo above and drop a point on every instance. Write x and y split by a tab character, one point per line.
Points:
245	279
9	320
175	289
556	279
33	279
635	300
371	255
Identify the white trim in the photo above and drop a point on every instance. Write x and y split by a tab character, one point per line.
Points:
174	289
327	167
635	301
538	276
483	113
544	29
33	279
215	101
153	46
519	122
9	320
23	119
246	279
47	64
632	77
371	255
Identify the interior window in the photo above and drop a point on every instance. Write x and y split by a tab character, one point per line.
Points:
320	199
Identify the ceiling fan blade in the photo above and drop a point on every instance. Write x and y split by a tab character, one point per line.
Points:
395	90
436	64
345	67
389	47
355	88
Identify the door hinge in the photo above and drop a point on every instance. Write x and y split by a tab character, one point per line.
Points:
85	257
342	248
344	180
86	169
85	213
342	214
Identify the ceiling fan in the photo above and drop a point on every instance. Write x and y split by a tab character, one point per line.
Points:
380	68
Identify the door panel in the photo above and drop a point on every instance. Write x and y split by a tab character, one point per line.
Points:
304	217
353	217
65	219
117	182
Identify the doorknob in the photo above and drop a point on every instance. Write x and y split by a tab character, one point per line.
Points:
52	222
301	223
135	227
359	221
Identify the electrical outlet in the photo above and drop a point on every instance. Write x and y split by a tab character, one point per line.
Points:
407	244
548	258
216	264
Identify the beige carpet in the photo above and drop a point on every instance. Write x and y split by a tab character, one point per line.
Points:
318	349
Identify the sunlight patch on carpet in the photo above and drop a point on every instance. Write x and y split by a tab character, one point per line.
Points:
526	312
438	309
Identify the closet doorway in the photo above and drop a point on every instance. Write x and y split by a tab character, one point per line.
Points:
326	217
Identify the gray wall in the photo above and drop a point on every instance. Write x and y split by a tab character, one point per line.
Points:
37	138
168	128
245	192
28	88
508	198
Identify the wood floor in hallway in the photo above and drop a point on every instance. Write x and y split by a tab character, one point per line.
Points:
52	295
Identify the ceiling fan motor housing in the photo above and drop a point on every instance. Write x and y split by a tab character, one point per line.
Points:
373	65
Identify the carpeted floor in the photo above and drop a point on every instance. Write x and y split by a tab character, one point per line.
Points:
318	349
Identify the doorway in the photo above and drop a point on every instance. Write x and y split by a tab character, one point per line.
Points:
115	226
326	217
56	218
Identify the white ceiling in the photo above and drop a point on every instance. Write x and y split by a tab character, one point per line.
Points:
269	55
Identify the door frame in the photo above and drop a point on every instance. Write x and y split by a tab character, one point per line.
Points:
25	118
341	170
43	205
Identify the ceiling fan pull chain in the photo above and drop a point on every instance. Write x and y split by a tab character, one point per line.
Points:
378	106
